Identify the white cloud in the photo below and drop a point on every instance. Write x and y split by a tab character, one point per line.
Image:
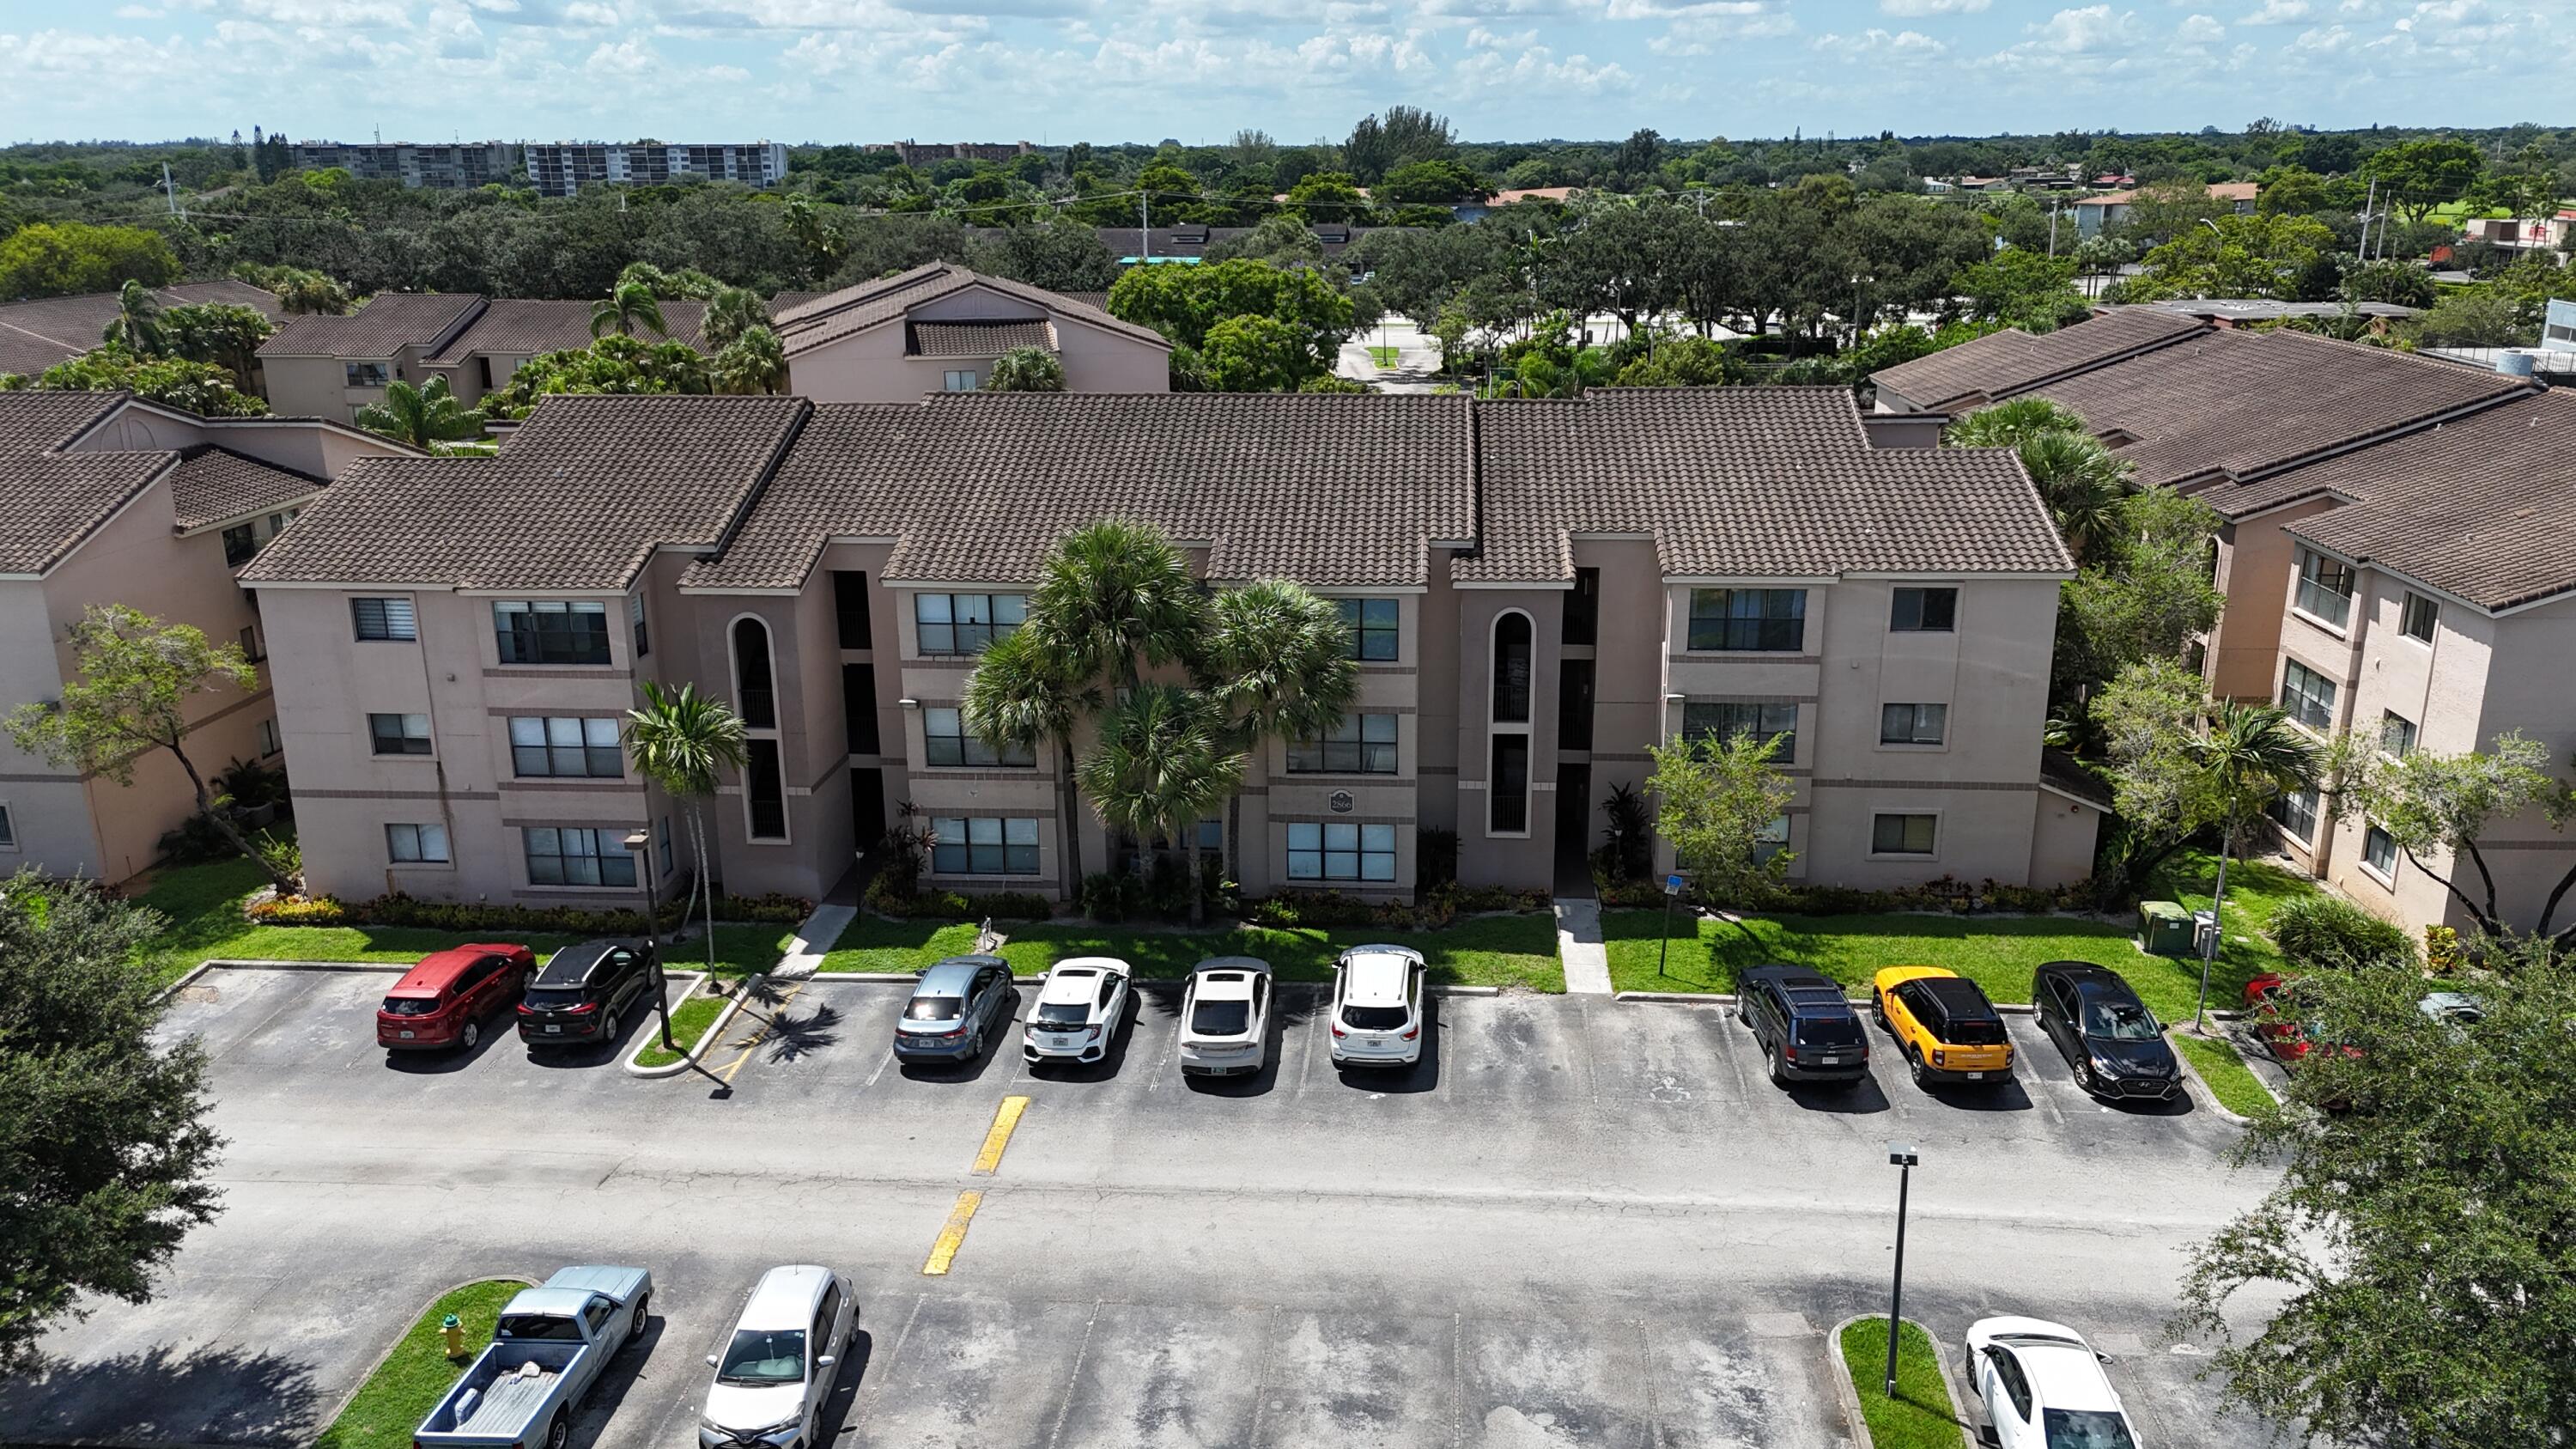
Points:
2092	28
629	57
2279	12
138	12
1914	8
1902	45
2200	30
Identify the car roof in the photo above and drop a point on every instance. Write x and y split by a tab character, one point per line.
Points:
1077	979
2063	1372
1787	976
1960	997
1376	974
1894	976
1223	984
952	976
2089	977
572	965
560	1302
437	969
1253	964
785	1297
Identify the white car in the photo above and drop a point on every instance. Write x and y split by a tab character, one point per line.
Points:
777	1367
1225	1017
2044	1387
1078	1011
1377	1007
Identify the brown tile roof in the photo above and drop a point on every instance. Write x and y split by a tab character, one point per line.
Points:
833	316
35	335
385	322
975	339
2000	364
2482	508
578	498
51	499
1743	481
523	326
215	484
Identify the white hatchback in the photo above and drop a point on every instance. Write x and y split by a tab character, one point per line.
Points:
1377	1007
1078	1011
777	1366
2044	1388
1225	1017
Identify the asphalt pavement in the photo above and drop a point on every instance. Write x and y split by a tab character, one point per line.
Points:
1577	1221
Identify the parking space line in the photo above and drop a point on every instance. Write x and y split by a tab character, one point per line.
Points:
1006	1118
952	1234
752	1044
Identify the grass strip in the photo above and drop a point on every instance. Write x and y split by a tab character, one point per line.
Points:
1513	950
409	1383
689	1021
1383	356
2225	1074
1921	1416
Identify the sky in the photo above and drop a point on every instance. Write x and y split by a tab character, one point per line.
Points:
1055	71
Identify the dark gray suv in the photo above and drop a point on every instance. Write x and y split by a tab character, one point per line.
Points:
1806	1027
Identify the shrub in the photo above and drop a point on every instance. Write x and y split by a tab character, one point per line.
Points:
2442	949
1112	895
948	905
2320	931
1629	838
194	839
461	916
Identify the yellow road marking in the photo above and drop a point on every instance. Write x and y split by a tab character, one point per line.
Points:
1005	1118
952	1234
753	1043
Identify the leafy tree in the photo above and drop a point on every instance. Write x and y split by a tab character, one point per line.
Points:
1278	661
196	387
1026	369
755	362
2402	283
2417	176
1431	182
731	312
2250	755
1160	767
1678	362
136	676
1187	305
1716	800
2486	316
2145	595
1282	239
60	259
2023	289
2293	191
1255	354
1328	196
813	230
2437	806
2233	256
681	740
304	292
1054	252
219	333
613	364
136	327
688	284
422	416
106	1138
2084	485
2420	1242
627	306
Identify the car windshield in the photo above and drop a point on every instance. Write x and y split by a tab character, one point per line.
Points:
1221	1018
764	1356
540	1326
553	998
1062	1013
1374	1018
2086	1429
1829	1031
410	1005
934	1008
2120	1021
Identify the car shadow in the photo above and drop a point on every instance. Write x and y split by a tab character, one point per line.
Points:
1121	1037
2177	1105
439	1061
851	1372
208	1395
624	1368
2008	1095
1422	1076
1857	1098
589	1054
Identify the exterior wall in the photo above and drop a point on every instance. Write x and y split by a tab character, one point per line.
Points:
48	805
1525	859
2064	834
2256	562
318	387
1627	674
871	366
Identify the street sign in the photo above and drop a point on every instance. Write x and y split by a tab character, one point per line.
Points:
1673	884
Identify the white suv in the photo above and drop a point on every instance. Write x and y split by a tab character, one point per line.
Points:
1225	1017
777	1366
1377	1007
1078	1011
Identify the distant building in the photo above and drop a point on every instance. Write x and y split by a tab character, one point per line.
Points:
443	167
2096	212
2526	234
914	153
563	168
2558	333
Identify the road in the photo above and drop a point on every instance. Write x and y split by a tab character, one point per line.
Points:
1579	1221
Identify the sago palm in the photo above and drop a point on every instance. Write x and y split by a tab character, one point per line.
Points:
137	323
421	416
1114	598
681	740
627	306
2009	424
1278	661
1160	767
1021	696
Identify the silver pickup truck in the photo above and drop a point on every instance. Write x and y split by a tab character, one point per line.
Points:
547	1352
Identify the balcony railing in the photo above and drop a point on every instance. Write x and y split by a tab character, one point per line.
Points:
2321	602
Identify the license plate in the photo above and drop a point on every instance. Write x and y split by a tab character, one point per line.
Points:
556	1029
1829	1061
1976	1076
407	1036
1061	1041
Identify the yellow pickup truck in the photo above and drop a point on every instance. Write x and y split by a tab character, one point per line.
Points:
1943	1024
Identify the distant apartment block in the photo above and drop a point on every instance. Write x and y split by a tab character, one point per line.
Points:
442	167
915	153
563	168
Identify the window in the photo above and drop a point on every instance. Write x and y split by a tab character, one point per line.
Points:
1771	839
399	734
2325	588
764	785
1372	623
946	741
2308	696
268	741
363	374
966	623
1512	669
850	608
2396	733
1912	724
1583	608
584	857
1902	834
1362	744
8	830
416	844
564	745
250	643
662	845
1337	851
1507	812
859	707
2417	619
635	619
958	379
2379	850
1765	722
755	692
383	619
1923	611
551	631
1770	620
984	847
2296	814
243	540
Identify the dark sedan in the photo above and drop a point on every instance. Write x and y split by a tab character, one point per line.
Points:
2116	1046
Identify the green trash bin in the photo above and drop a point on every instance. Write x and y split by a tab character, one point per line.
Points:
2164	928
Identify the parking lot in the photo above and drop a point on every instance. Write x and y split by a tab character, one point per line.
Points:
1577	1221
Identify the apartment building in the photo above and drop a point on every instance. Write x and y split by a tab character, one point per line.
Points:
505	332
329	367
563	168
105	499
1537	591
455	166
916	153
37	334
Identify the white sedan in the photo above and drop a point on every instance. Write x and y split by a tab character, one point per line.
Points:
2044	1388
1078	1011
1225	1017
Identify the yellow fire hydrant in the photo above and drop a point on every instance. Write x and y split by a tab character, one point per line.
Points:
455	1331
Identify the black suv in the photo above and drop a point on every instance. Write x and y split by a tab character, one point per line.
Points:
2106	1034
1808	1030
583	992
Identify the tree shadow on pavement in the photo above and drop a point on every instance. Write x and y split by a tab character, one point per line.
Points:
202	1396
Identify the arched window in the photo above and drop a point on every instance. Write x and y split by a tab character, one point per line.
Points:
754	691
1512	669
755	695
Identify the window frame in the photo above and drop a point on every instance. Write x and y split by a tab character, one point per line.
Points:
1758	728
2297	701
1365	632
420	836
1923	611
376	736
1339	850
2316	576
1916	714
2419	608
1008	856
535	645
548	748
948	379
2372	833
608	848
994	627
358	372
271	743
1350	748
8	829
1878	849
2391	722
1728	630
386	608
2296	813
967	745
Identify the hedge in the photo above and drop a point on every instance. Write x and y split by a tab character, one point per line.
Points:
403	910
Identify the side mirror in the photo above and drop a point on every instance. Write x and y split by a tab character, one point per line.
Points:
711	1360
824	1361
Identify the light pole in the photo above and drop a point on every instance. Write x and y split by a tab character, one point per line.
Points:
641	843
1903	1157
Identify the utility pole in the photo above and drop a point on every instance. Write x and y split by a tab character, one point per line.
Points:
170	187
2369	204
2052	228
1144	231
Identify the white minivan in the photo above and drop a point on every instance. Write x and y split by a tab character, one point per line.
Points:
776	1368
1377	1007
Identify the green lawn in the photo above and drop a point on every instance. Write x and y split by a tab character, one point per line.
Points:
392	1402
1383	356
203	903
1517	950
2224	1072
1921	1416
689	1021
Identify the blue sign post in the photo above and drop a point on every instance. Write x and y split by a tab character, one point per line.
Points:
1673	884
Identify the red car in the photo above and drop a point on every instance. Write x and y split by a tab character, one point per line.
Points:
442	1001
2272	1001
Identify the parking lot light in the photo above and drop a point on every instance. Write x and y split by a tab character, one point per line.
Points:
637	840
1902	1156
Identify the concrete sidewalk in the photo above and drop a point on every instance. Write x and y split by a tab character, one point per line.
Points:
813	939
1578	945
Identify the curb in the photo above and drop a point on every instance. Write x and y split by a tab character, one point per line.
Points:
364	1379
911	978
1849	1395
2202	1086
714	1030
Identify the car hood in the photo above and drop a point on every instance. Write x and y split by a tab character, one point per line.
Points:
741	1407
2135	1058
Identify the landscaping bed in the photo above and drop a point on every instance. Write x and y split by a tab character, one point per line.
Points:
1499	950
690	1020
1922	1415
2224	1072
409	1383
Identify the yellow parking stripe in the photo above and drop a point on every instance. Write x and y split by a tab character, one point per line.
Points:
952	1234
1005	1118
752	1043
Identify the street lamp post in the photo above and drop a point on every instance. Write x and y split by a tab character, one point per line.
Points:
1903	1156
641	843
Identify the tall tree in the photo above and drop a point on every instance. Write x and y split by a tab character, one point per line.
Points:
627	306
731	313
1160	767
105	1131
2083	484
1022	695
1113	599
1716	800
220	334
422	416
754	362
136	327
681	740
2250	755
2417	176
135	679
1281	664
2435	805
813	230
1026	369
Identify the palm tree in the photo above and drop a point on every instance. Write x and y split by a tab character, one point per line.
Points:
752	362
1020	696
2082	483
1114	598
627	306
680	739
687	284
731	313
1026	369
1160	766
137	323
2251	755
1278	661
2009	424
421	416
